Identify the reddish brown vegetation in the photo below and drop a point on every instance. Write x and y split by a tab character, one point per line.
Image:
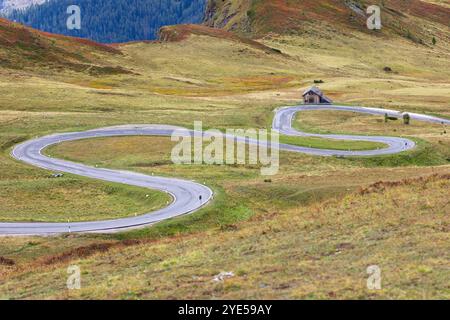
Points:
22	47
12	34
429	11
182	32
86	251
381	186
283	17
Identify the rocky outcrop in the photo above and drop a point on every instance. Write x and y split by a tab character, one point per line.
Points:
7	6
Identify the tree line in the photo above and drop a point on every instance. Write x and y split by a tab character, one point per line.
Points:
112	21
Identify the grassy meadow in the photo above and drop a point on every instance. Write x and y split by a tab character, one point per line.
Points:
308	232
318	251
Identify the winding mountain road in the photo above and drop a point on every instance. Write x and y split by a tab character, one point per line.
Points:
188	196
284	117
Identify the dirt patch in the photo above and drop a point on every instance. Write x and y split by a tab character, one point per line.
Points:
86	251
381	186
6	262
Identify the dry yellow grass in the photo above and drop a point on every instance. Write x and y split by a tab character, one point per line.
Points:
294	245
319	251
444	3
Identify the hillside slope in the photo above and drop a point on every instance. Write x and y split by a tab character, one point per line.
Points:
415	19
320	251
182	32
23	48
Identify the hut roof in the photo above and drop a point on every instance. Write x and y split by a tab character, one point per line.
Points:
313	89
318	92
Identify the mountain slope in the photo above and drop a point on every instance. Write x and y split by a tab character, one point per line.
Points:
22	48
182	32
413	19
7	6
129	20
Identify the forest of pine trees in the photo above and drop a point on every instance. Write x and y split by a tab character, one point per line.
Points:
111	21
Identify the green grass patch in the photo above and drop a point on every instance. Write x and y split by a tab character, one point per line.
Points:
220	213
74	198
425	154
321	143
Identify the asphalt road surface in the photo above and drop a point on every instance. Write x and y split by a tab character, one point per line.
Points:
284	117
188	196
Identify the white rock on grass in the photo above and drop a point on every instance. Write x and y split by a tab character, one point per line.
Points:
222	276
